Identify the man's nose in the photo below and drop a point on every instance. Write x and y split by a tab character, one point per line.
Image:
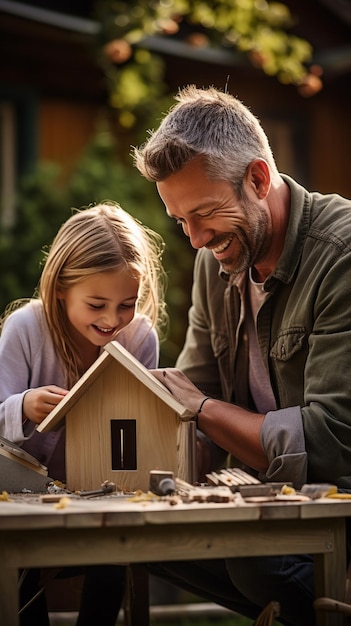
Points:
198	236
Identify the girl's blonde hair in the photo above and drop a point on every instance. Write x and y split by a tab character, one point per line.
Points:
97	239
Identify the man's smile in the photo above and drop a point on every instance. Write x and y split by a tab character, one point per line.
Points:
223	245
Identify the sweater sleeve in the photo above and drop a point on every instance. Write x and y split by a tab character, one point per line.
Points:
27	361
141	340
14	380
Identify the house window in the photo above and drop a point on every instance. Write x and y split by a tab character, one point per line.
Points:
123	445
289	142
18	146
7	163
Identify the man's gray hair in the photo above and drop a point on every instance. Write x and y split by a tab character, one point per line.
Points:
207	123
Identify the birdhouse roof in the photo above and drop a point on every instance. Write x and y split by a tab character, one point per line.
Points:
112	351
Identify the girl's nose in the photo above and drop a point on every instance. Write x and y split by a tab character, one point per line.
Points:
111	319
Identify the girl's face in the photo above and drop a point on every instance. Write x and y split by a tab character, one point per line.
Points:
99	306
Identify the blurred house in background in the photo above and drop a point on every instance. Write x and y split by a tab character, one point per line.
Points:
52	90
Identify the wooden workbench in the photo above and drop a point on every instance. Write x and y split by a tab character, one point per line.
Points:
115	529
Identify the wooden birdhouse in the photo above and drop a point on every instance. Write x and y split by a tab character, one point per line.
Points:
121	423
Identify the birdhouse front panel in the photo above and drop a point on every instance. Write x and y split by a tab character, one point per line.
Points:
119	430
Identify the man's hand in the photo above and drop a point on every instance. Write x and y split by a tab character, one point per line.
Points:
180	387
38	403
190	397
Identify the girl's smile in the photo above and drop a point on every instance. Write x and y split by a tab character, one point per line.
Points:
99	306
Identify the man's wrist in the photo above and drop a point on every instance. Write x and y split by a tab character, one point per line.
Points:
200	410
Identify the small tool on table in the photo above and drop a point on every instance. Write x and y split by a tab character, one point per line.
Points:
105	488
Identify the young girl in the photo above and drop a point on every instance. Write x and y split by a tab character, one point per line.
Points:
102	280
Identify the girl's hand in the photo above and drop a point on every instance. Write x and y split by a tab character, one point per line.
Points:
38	403
180	387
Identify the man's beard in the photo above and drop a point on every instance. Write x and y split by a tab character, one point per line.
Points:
252	244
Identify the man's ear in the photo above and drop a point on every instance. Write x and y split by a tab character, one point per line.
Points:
258	178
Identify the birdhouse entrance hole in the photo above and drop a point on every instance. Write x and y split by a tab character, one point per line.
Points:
123	444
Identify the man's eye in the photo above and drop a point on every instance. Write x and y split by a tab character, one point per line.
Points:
207	213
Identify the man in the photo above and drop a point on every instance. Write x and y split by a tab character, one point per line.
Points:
267	358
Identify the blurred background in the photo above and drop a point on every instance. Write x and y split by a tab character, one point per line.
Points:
81	82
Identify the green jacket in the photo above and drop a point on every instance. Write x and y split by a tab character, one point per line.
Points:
304	331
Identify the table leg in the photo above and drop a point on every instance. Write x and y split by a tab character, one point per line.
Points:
330	575
136	609
9	596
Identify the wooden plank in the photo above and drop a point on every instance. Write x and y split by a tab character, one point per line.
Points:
9	597
286	510
186	447
118	512
326	507
58	547
59	412
196	513
16	516
115	509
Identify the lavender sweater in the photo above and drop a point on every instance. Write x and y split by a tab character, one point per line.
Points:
28	360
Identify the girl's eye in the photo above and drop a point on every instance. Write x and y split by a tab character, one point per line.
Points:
96	306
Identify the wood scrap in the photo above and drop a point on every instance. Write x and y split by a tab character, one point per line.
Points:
192	493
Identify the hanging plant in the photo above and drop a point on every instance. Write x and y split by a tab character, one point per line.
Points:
256	28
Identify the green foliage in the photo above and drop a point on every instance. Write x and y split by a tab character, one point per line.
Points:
256	28
40	210
42	205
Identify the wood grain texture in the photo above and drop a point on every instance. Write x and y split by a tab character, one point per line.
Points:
114	389
119	395
112	530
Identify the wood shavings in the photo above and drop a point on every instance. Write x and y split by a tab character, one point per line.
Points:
4	497
298	497
62	503
287	491
339	496
142	496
